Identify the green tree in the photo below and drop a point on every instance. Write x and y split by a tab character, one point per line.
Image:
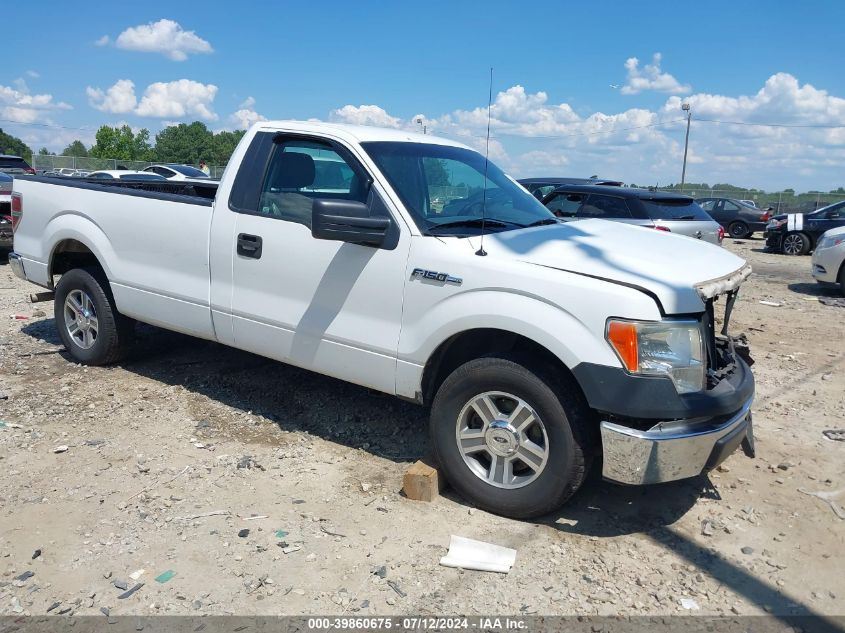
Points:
77	148
223	145
45	152
122	144
436	174
13	145
184	143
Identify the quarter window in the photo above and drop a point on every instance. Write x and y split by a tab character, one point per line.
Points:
565	205
604	207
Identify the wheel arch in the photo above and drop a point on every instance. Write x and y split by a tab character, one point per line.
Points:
471	344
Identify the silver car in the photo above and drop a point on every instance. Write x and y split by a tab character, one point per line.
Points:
829	258
658	210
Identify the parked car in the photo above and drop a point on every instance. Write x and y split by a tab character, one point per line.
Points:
663	211
14	165
121	174
537	345
797	233
6	182
177	172
829	258
739	219
750	203
541	187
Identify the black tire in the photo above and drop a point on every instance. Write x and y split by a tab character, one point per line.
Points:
795	243
114	331
738	230
842	278
565	417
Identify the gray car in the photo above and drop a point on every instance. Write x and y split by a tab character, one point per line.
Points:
658	210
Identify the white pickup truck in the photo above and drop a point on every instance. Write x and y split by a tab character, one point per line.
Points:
386	259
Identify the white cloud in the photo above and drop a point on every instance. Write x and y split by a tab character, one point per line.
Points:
33	74
178	99
166	37
365	115
174	99
247	103
19	105
118	99
531	136
650	77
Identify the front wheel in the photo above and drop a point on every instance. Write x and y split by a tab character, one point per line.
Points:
90	327
509	439
795	244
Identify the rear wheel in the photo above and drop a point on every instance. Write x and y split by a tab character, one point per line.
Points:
738	230
795	244
92	330
508	439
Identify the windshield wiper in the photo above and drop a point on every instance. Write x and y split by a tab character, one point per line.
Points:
475	222
543	222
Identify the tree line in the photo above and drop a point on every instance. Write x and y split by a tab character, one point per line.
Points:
183	143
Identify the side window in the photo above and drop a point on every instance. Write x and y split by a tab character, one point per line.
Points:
837	213
298	171
542	192
730	206
707	205
565	205
604	207
162	171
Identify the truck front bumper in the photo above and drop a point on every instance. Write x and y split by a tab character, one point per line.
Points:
669	451
16	264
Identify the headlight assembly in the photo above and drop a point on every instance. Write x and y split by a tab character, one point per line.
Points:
661	348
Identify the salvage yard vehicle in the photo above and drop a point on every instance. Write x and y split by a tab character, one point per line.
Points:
829	258
739	218
6	210
669	212
538	345
797	233
541	187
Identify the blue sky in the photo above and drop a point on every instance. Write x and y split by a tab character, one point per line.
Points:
556	109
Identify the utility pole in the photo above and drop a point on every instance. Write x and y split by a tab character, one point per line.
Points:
423	125
685	107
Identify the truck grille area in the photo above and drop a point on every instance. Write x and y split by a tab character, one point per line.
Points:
721	348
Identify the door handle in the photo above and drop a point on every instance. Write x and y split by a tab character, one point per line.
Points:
249	245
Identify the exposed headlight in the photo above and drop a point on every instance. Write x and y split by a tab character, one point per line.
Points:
827	241
663	348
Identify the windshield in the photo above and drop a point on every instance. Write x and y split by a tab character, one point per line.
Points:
443	188
187	170
674	209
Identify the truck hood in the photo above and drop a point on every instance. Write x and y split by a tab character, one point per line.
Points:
680	272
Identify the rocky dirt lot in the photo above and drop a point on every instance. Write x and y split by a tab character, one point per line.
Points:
265	489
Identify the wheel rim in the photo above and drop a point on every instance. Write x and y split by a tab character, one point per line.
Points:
737	230
792	244
81	319
502	440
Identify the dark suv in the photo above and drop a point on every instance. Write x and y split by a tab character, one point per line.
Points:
658	210
740	220
541	187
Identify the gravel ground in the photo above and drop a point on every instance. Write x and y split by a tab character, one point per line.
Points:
171	454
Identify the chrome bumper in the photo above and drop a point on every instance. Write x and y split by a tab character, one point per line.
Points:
673	450
16	263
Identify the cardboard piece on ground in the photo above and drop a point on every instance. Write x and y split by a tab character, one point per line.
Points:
422	482
468	553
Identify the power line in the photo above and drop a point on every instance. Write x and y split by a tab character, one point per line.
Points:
787	125
47	125
596	132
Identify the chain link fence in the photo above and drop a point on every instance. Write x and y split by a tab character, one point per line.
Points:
48	162
787	201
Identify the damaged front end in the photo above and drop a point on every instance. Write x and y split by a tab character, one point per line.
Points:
716	421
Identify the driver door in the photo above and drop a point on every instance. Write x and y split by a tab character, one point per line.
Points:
329	306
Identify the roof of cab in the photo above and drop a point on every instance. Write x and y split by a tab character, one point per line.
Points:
623	192
356	133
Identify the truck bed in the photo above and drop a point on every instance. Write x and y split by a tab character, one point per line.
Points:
161	190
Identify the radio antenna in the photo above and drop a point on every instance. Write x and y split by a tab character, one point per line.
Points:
481	252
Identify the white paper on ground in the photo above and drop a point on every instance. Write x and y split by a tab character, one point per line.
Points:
467	553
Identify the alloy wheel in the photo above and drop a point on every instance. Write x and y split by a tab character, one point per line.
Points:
81	319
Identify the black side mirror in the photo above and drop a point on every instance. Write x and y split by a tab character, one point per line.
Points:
347	221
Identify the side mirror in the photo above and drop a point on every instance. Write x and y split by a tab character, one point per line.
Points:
347	221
